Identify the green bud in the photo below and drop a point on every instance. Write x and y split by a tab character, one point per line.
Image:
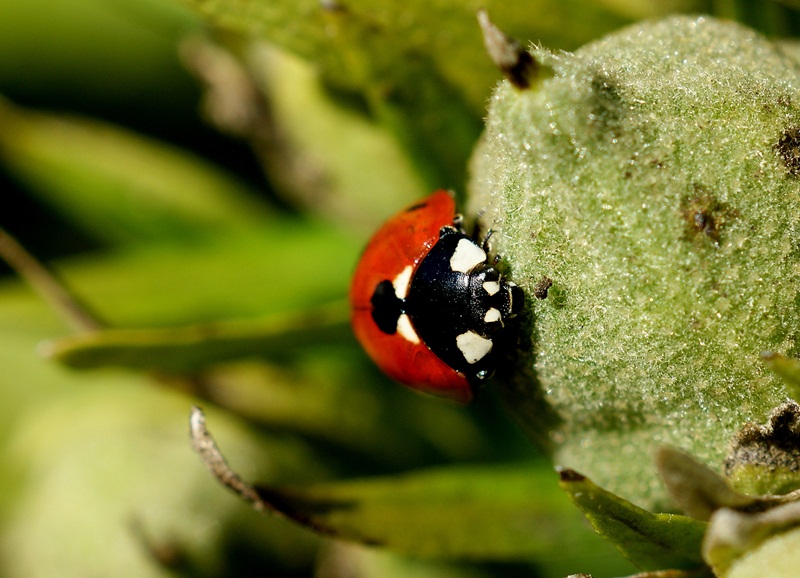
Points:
654	179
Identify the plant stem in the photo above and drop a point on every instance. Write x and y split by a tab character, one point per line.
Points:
47	284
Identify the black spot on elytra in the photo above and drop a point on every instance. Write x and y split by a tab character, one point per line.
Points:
788	147
705	216
416	207
386	307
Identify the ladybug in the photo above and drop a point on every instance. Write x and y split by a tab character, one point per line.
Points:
427	306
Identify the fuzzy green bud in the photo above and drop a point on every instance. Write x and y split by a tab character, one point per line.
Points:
654	178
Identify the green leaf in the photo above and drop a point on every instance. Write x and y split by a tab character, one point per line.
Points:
118	185
420	67
98	463
113	57
366	43
289	266
319	392
693	486
343	166
183	349
333	397
468	512
106	470
508	512
499	513
651	541
365	562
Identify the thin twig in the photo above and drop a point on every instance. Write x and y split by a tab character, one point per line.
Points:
212	457
516	63
47	284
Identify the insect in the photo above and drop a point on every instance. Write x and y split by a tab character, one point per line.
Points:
427	306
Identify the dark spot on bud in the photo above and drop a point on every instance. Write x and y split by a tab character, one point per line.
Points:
544	284
606	101
705	216
788	146
568	475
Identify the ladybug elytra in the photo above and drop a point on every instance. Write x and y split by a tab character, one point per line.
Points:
427	306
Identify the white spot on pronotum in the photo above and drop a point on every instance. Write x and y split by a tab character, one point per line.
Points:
401	283
466	256
473	347
491	287
492	315
405	329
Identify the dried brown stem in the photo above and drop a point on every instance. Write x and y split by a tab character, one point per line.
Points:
47	284
212	457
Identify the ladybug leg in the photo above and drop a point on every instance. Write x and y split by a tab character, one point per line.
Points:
487	247
485	242
478	233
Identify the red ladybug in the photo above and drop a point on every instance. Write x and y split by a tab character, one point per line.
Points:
427	306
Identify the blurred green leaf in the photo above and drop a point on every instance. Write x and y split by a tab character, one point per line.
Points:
96	54
108	487
787	368
638	9
195	347
97	478
365	43
118	185
288	266
332	397
364	562
343	166
651	541
419	67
